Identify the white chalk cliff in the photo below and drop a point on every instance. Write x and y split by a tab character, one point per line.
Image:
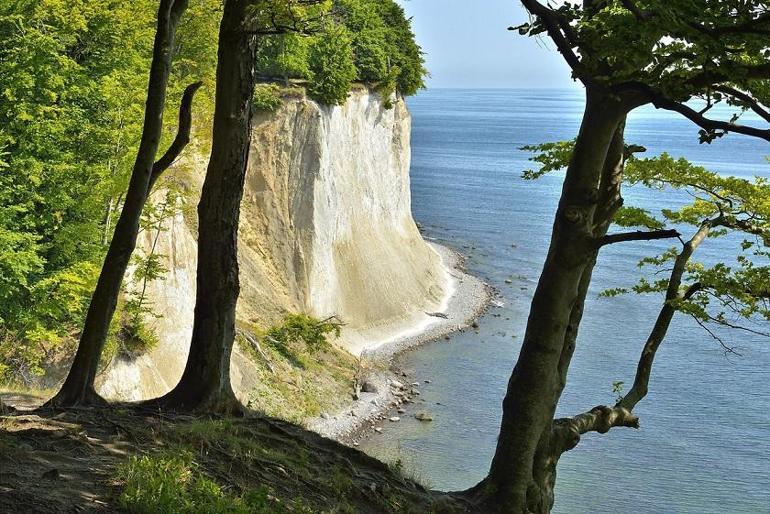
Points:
326	228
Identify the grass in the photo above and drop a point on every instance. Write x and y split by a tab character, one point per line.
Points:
149	462
173	483
302	383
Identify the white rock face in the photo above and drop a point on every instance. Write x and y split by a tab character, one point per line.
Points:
326	228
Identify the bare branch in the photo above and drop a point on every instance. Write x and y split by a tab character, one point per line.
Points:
707	124
555	25
601	419
182	136
638	235
727	349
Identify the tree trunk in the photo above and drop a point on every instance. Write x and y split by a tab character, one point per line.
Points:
78	388
205	384
541	490
514	483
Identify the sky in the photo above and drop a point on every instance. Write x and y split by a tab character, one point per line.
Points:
467	46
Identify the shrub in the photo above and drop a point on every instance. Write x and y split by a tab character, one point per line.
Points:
307	330
267	97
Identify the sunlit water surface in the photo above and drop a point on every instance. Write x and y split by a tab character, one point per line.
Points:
704	445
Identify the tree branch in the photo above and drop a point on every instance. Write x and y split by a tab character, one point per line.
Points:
601	419
707	124
727	72
748	27
746	98
638	235
182	137
746	226
634	9
554	22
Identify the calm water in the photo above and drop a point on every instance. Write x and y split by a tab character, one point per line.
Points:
705	442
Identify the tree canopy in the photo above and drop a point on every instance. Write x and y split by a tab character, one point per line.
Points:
73	78
369	41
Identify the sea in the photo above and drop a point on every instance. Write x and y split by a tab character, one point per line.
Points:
704	442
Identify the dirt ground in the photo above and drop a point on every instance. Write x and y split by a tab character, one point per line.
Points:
66	461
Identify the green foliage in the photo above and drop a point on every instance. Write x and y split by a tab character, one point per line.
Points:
73	78
670	45
155	484
405	54
734	296
617	389
730	295
267	97
305	330
60	301
550	156
284	56
378	42
636	217
332	70
136	336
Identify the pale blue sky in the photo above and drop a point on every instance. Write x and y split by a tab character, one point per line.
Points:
467	45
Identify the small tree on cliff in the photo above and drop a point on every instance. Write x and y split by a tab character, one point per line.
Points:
78	388
681	50
205	384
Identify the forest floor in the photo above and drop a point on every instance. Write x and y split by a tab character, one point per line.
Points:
120	459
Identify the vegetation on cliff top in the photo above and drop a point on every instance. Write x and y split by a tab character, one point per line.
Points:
73	79
369	41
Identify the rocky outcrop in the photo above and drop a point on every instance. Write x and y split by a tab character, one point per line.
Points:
326	228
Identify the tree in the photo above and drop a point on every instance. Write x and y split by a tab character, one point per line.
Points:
379	39
332	70
285	56
66	130
719	294
715	51
78	388
205	383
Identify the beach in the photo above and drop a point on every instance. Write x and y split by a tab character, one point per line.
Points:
385	388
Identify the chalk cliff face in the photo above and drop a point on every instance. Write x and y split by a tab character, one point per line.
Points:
326	228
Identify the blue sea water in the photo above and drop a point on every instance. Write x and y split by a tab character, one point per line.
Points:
704	445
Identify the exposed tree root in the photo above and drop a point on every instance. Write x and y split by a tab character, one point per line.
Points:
66	399
193	402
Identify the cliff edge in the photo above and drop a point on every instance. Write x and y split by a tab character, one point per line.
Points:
326	228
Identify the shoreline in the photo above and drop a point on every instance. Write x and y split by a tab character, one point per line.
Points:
384	387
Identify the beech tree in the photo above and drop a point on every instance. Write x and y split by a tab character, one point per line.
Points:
715	52
78	388
205	384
